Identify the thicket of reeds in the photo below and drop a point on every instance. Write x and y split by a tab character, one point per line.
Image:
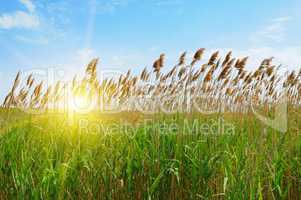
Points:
190	84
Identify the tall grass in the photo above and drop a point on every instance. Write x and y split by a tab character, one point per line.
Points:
46	158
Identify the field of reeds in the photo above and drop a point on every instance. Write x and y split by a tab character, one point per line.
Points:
198	130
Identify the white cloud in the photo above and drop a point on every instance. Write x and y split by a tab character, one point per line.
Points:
29	5
19	19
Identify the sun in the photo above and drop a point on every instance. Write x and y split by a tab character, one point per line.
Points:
80	104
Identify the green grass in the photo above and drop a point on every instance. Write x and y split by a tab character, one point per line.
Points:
48	157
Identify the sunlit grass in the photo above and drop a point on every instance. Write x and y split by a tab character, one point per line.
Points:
46	157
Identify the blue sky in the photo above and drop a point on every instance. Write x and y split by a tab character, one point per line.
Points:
65	34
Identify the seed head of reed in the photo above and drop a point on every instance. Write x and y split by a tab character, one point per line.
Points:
29	80
213	58
227	58
16	82
197	56
158	64
182	59
91	68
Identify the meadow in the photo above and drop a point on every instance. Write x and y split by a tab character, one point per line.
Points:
155	147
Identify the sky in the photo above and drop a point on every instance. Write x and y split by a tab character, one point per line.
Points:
63	35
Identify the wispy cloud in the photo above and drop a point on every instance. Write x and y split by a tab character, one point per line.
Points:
274	31
29	5
21	19
267	41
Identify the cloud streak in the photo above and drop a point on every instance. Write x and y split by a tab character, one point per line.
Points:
110	6
274	31
33	40
169	2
